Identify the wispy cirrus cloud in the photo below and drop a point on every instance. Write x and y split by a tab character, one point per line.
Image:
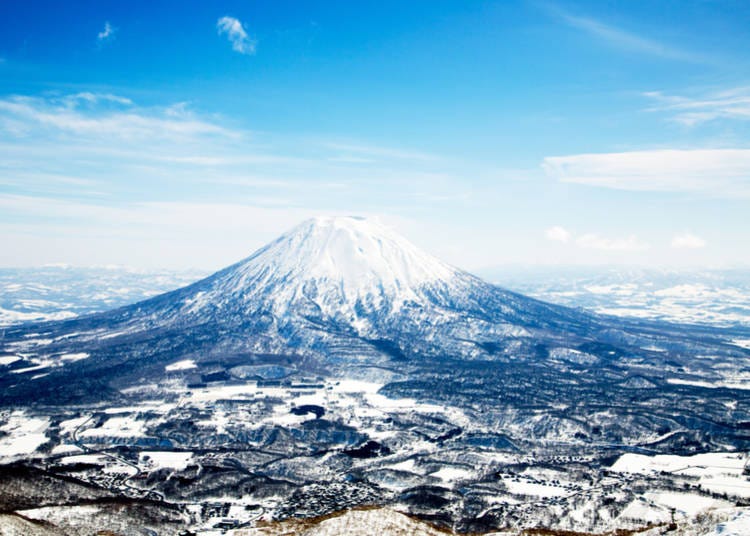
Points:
111	145
235	32
713	172
94	98
620	38
107	34
733	103
105	123
67	113
90	145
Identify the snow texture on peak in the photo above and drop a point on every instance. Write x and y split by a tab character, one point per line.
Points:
355	251
340	264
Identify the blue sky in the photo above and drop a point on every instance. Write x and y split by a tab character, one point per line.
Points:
187	134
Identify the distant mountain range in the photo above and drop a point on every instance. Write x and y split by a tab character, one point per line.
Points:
57	292
715	297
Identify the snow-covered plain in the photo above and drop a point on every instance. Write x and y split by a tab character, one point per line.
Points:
720	472
22	434
120	426
154	459
185	364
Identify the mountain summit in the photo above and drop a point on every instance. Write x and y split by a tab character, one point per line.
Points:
341	265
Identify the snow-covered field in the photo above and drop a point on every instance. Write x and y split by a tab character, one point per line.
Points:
736	524
720	472
185	364
536	487
153	459
22	434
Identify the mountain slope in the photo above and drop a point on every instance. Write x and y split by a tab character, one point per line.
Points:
330	295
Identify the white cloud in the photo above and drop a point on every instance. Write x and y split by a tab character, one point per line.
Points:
557	234
716	172
688	241
232	28
731	103
108	33
596	241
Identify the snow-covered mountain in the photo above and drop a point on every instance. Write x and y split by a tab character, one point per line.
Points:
336	292
342	267
358	278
